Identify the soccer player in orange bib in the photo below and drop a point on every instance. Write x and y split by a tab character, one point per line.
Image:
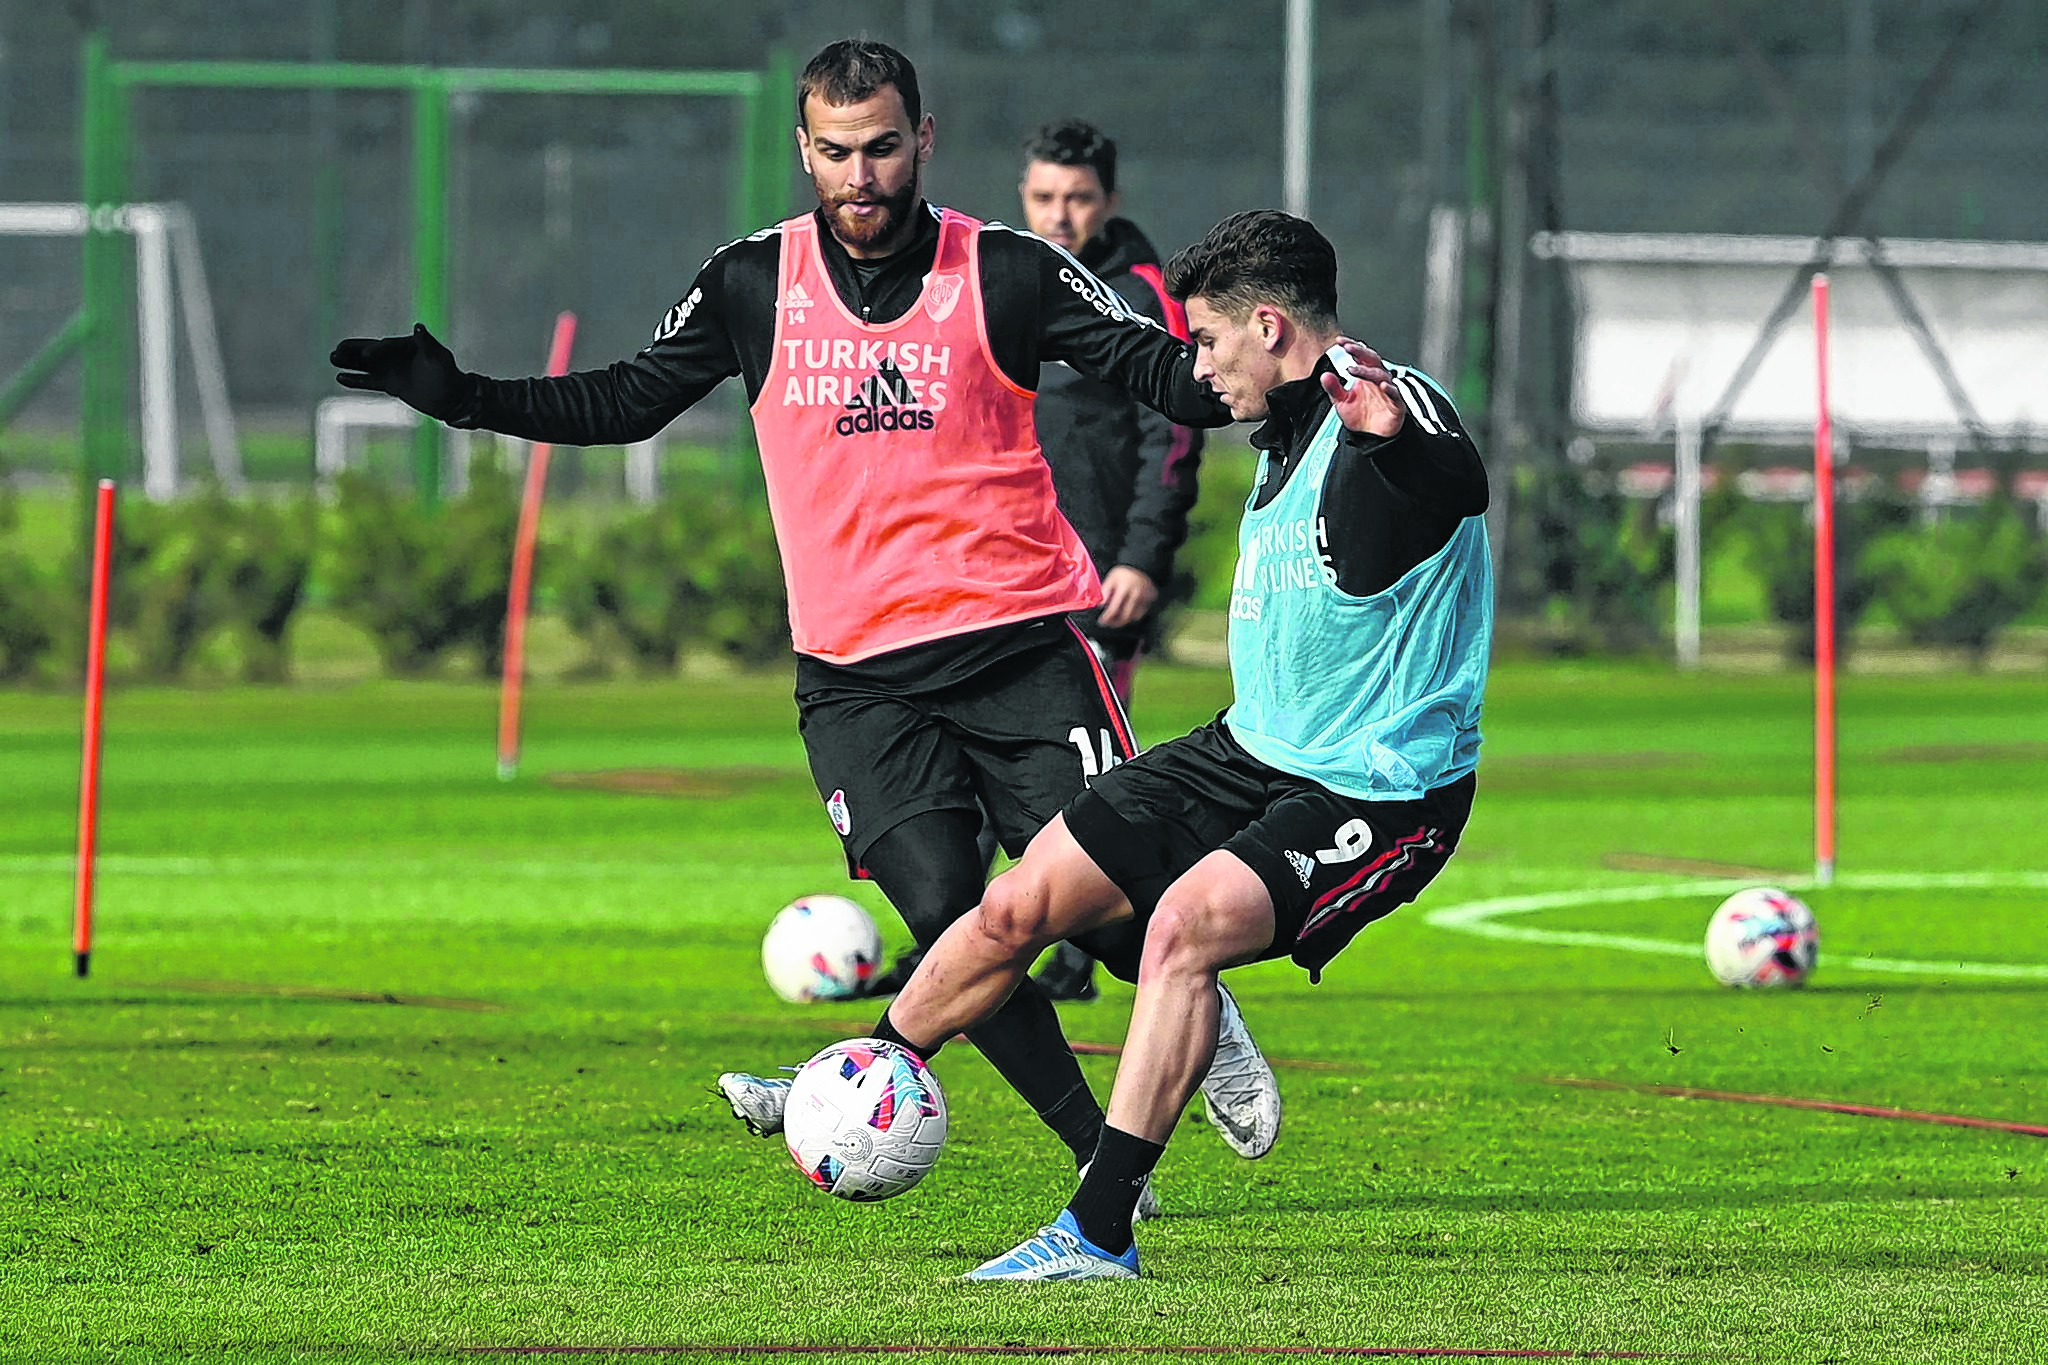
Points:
890	349
1126	477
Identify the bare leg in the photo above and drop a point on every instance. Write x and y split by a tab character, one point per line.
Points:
1217	914
970	971
932	872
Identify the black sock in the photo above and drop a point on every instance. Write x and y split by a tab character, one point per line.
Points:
1077	1121
1108	1196
888	1033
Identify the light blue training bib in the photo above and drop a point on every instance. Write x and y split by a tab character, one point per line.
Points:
1375	697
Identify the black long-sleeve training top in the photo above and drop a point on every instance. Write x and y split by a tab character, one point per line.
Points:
1041	306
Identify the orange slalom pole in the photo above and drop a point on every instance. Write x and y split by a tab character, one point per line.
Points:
1823	604
89	768
522	569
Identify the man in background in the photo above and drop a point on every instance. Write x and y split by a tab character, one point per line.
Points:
1124	474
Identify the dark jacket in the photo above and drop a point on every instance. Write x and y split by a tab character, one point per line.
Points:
1125	475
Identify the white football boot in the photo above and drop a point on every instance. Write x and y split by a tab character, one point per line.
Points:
1240	1095
759	1100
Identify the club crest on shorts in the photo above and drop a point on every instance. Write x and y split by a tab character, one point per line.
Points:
944	297
842	818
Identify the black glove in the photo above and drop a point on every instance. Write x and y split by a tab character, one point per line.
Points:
417	370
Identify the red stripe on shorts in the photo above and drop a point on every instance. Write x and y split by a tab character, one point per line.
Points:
1118	722
1359	884
1400	847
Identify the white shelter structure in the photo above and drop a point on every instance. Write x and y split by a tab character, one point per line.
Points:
1933	343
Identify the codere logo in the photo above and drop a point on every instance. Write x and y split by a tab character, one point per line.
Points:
884	401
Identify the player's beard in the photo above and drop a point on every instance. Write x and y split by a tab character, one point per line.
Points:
877	231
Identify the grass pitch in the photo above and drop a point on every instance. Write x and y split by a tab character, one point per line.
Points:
383	1060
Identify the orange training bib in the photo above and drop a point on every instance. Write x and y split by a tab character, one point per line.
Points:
910	499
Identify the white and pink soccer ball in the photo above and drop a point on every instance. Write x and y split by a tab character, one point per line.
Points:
820	948
1762	936
866	1120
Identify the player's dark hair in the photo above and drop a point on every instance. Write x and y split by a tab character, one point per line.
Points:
1260	256
853	69
1071	142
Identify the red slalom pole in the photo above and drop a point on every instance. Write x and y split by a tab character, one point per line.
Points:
1823	604
522	569
95	689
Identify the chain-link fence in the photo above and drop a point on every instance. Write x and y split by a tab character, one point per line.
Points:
1509	116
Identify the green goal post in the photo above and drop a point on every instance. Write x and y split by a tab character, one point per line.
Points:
105	129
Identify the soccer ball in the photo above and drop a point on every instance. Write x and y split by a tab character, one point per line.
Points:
1762	937
865	1120
820	948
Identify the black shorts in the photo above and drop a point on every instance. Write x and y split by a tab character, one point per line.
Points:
1331	863
1016	739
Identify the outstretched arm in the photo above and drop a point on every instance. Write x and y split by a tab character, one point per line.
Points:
1089	325
629	401
1169	456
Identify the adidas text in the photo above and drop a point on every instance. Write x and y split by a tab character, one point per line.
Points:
884	419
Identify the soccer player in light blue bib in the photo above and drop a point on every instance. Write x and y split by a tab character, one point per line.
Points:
1332	790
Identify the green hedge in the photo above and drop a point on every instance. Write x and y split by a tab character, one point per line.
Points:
1778	540
697	568
31	604
699	571
1963	580
178	573
421	583
1958	582
1591	565
182	571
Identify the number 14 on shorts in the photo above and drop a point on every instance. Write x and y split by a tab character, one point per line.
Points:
1091	765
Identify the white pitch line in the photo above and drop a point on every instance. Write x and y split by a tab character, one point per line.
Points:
1478	918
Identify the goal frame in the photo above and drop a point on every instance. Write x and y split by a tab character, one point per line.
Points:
107	133
1675	270
170	276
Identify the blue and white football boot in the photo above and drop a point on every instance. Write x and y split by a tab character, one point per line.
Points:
1058	1252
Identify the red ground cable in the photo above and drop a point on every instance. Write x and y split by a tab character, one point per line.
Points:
1872	1111
1153	1349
